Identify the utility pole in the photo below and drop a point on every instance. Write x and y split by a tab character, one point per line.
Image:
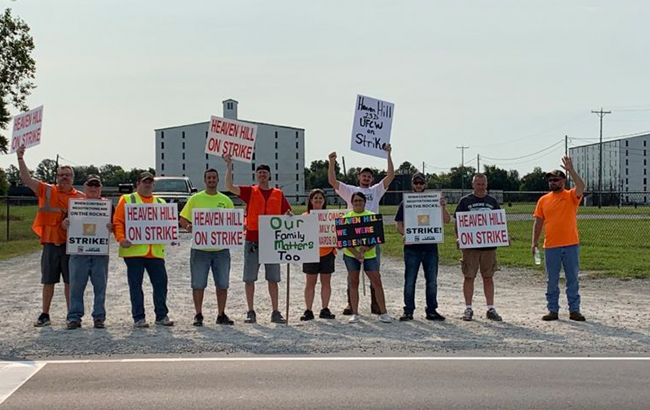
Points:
56	168
566	154
600	114
345	173
462	168
478	163
423	168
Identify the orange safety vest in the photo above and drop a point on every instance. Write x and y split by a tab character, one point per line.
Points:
258	206
50	210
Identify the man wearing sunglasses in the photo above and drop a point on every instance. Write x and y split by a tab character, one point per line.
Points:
416	254
52	209
84	267
556	212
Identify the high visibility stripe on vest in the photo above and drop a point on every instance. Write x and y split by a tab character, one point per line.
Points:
48	202
158	251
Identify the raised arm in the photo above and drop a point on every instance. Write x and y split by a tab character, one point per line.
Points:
331	171
446	218
25	176
390	171
229	185
567	164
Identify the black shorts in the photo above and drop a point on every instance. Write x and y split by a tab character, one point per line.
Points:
54	264
326	265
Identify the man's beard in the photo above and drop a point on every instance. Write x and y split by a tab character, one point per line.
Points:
555	188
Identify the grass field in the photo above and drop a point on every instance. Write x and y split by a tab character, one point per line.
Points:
619	248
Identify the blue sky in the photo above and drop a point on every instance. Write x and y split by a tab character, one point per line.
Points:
506	78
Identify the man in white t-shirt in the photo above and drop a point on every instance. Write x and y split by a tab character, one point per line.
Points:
373	194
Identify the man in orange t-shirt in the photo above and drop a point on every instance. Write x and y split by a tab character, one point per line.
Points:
52	210
556	212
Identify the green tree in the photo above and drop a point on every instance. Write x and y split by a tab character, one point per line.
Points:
534	181
17	69
499	178
406	168
4	183
113	175
461	177
13	175
46	171
316	174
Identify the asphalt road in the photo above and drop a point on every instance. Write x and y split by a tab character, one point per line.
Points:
338	384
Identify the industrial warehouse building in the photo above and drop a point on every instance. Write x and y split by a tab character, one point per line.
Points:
180	151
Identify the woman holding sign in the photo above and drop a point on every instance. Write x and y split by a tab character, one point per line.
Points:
325	267
366	255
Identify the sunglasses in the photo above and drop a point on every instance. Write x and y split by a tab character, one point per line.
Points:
418	182
554	179
94	184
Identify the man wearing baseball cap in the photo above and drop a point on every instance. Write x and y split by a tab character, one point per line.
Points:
141	257
556	212
416	254
84	267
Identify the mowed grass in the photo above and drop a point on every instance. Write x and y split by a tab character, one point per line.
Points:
617	248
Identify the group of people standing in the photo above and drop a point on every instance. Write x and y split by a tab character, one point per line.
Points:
555	212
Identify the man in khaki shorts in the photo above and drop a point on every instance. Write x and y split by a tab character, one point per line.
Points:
483	259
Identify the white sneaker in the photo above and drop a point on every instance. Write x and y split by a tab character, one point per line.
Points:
354	319
141	323
385	318
165	322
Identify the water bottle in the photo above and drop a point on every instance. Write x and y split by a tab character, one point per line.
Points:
538	258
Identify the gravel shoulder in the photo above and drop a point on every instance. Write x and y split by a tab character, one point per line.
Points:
617	312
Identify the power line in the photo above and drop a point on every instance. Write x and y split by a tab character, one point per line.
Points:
524	156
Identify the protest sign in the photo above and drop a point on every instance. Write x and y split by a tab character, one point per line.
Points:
236	138
218	228
285	239
364	230
326	226
88	231
151	223
482	229
27	129
423	218
373	120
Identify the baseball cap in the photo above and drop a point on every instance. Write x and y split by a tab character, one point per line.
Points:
420	176
366	169
263	167
145	175
93	177
555	173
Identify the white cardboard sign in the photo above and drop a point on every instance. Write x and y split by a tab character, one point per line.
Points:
151	224
423	218
218	228
236	138
27	129
326	226
88	231
286	239
482	229
373	120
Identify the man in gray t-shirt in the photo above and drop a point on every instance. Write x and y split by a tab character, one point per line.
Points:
373	195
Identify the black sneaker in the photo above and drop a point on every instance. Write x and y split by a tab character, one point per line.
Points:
73	325
326	314
276	317
198	320
308	315
468	315
224	320
406	317
347	311
43	320
493	315
251	317
435	316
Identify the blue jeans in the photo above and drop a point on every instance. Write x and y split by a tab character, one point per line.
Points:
412	260
83	267
155	267
555	258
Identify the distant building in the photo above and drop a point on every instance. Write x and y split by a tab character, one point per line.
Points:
625	164
180	151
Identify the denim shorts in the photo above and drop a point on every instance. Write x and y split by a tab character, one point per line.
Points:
202	261
252	264
353	265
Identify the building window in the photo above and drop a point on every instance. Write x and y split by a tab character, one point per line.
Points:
253	177
297	187
183	167
297	177
162	167
206	166
276	166
297	155
183	144
627	162
297	167
276	145
206	157
162	136
183	134
627	181
276	135
644	141
162	145
627	171
252	166
626	153
296	134
645	181
276	156
297	144
162	155
206	135
183	155
627	143
253	156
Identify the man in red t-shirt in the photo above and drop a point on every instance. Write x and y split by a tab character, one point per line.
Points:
260	199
